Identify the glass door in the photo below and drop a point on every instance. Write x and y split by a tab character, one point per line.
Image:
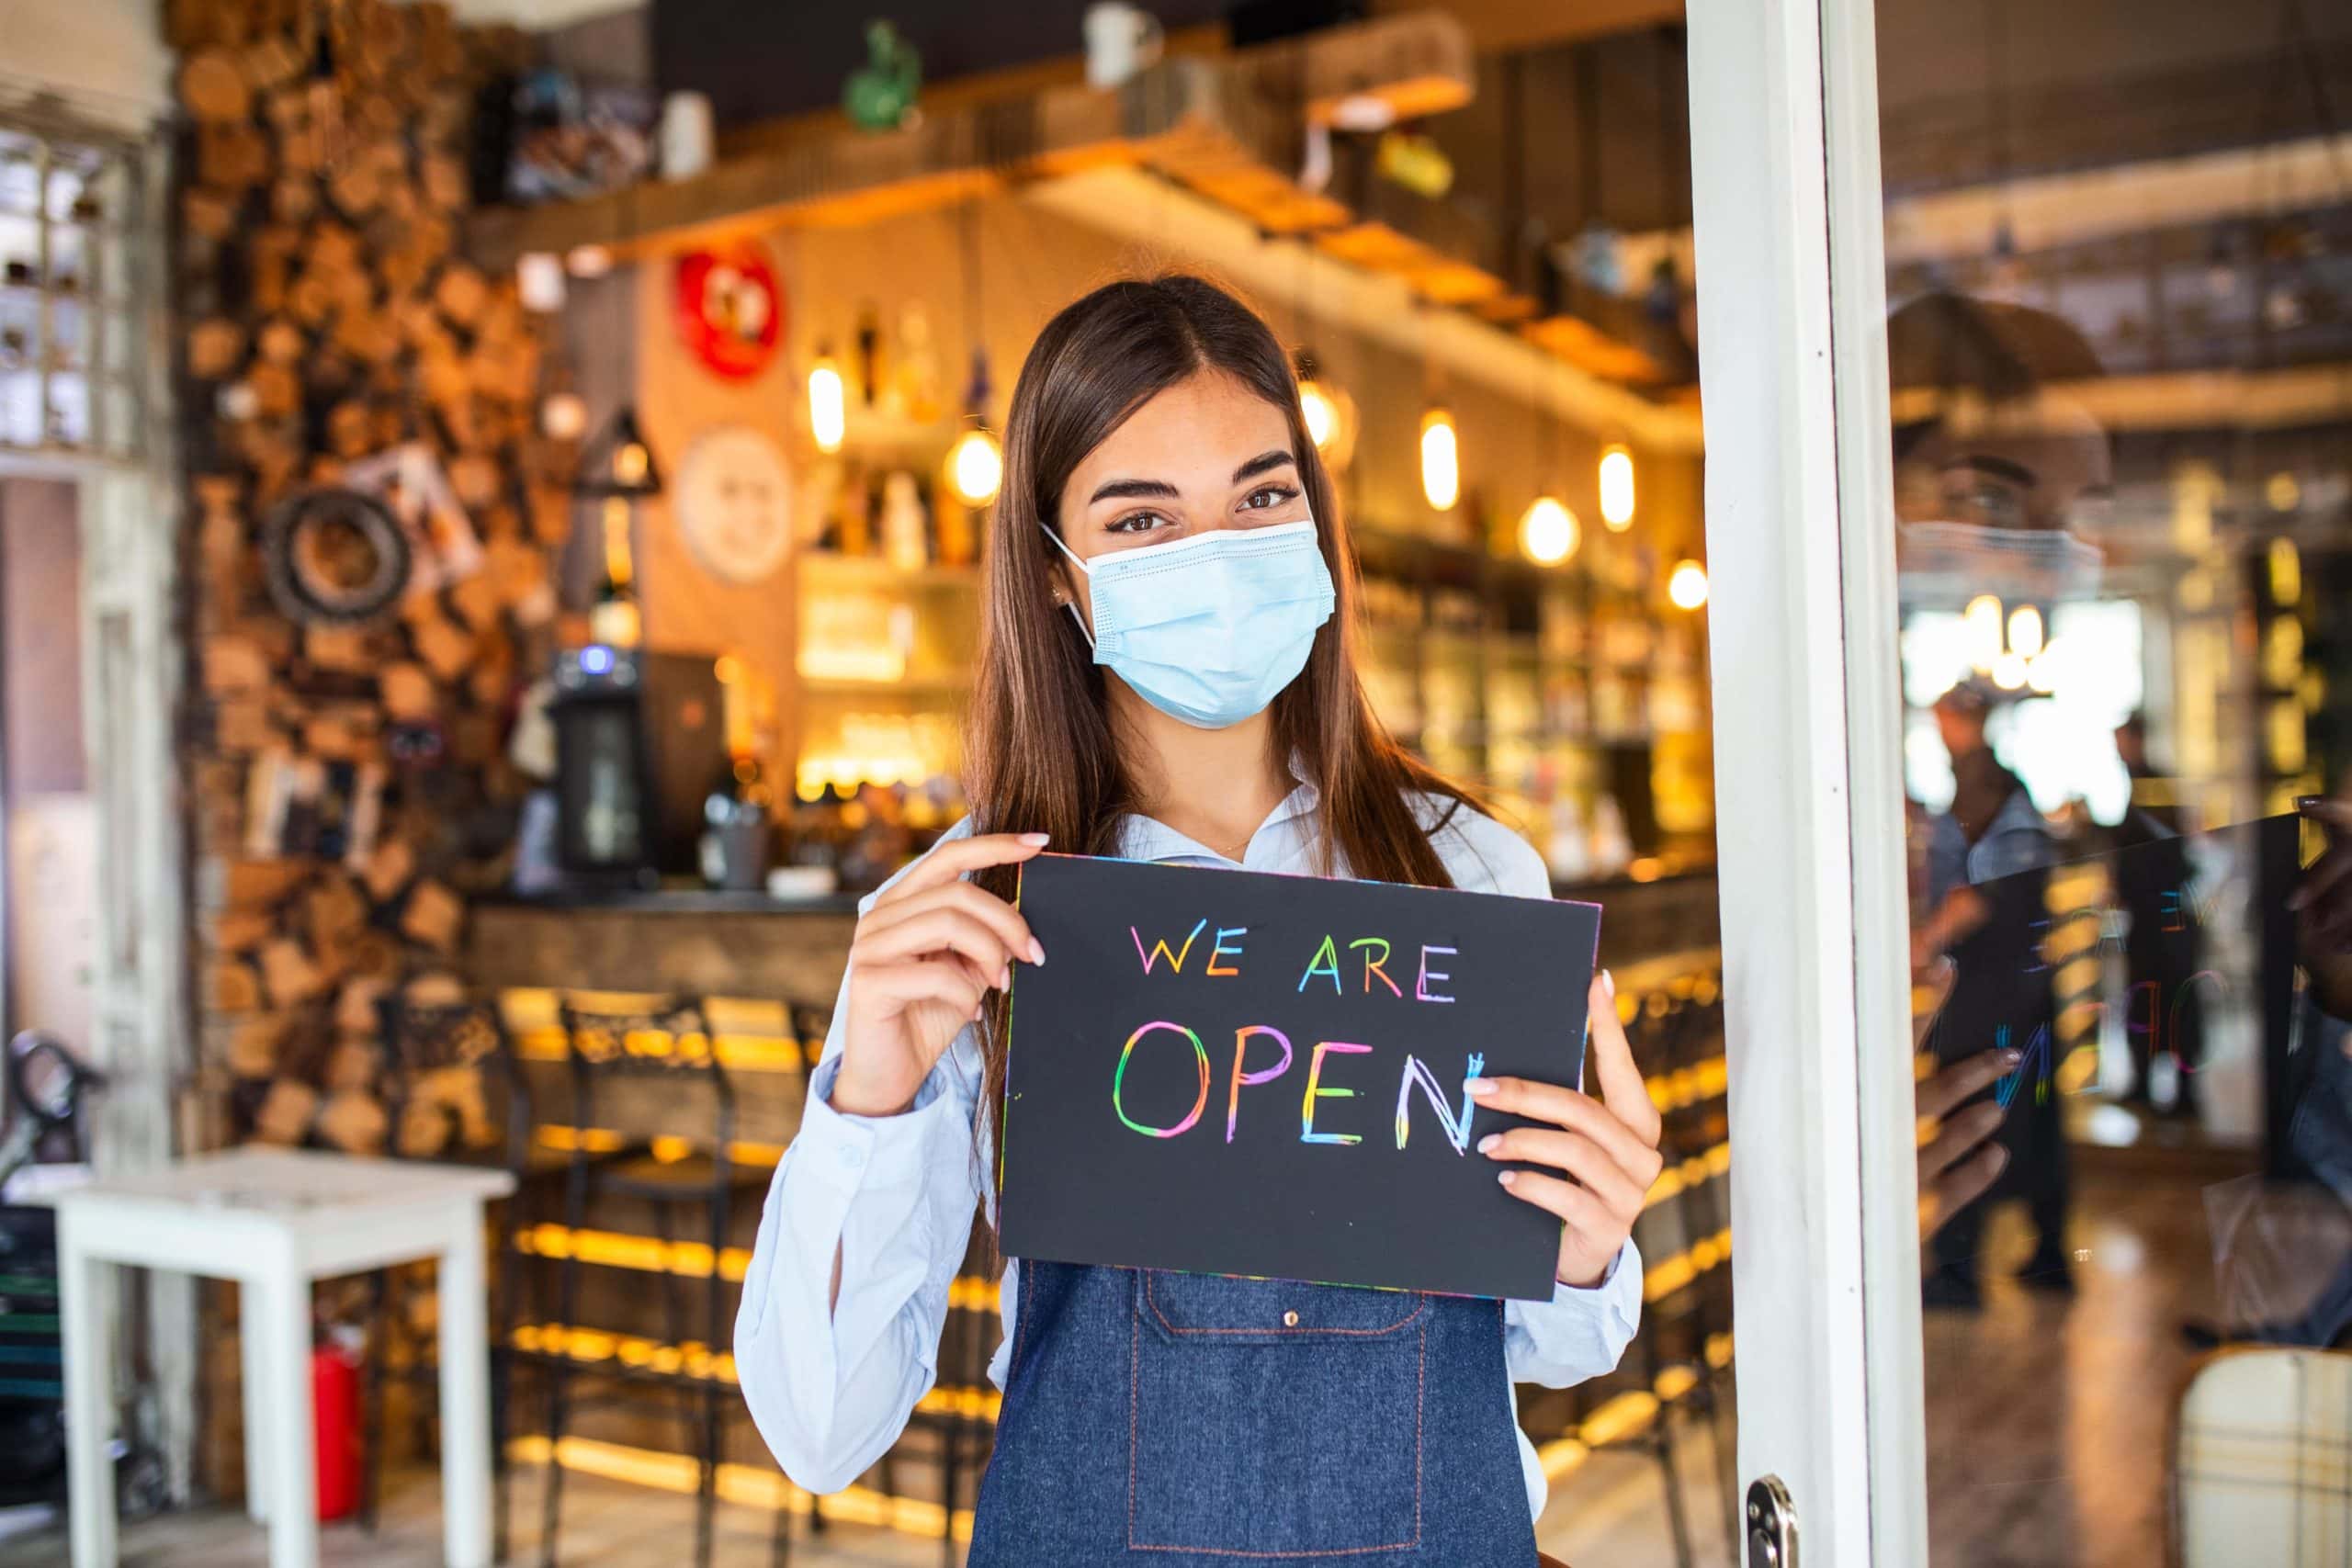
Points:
2028	378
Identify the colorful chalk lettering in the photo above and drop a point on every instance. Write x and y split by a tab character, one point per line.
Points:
1160	949
1119	1081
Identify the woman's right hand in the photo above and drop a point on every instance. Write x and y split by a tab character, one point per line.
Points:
920	965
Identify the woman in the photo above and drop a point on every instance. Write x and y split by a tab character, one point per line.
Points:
1167	673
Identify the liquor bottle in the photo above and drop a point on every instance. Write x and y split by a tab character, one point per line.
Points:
905	530
870	371
613	618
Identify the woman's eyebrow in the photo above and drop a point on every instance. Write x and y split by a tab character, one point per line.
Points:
1263	462
1114	489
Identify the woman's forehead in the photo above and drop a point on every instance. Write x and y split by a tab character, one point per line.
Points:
1194	432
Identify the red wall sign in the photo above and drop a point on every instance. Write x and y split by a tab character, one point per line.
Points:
730	309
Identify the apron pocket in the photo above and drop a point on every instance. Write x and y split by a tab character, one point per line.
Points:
1271	1419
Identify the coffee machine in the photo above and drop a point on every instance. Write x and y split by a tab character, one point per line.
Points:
639	738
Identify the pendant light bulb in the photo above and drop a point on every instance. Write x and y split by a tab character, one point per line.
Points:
1617	489
976	467
1547	531
1687	586
1441	460
1982	620
2025	631
1315	408
827	407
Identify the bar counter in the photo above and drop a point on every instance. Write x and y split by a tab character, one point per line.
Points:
749	945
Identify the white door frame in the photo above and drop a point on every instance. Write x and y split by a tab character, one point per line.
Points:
133	660
1793	372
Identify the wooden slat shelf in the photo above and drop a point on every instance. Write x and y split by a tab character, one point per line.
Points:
1226	120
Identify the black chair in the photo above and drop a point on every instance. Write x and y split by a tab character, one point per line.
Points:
624	1055
1687	1328
422	1039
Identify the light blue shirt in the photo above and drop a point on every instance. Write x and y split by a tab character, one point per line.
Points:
831	1389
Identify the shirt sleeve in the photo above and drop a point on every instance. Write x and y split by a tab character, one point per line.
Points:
831	1388
1578	1333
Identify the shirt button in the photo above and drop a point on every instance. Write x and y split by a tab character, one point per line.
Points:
853	1157
1289	1320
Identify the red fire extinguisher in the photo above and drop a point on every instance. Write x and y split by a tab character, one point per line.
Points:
334	1408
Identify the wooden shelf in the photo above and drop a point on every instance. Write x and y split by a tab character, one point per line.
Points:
1225	124
908	686
877	571
864	431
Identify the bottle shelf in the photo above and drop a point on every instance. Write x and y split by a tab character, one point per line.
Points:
831	566
907	685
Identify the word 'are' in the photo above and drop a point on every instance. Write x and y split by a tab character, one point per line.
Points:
1372	952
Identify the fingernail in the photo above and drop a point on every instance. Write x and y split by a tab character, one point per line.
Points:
1004	977
2011	1058
1487	1144
1506	1177
1609	984
1479	1089
2000	1158
1036	951
2308	802
1036	838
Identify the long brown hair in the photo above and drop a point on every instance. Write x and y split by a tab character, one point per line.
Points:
1040	754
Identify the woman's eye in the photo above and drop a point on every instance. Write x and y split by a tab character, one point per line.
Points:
1267	496
1134	522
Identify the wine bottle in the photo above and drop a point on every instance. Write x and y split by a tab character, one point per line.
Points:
613	618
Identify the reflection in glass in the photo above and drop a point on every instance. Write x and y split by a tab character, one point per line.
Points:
2119	344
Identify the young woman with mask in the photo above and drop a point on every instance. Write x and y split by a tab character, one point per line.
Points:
1167	673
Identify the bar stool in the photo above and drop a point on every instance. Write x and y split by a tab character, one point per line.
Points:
623	1055
1694	1321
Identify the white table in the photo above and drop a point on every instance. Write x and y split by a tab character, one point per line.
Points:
273	1220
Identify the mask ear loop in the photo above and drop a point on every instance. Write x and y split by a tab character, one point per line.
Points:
1071	605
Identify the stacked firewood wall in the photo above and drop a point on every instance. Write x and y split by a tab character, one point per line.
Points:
326	315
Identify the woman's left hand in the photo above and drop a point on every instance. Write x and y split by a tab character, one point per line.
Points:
1606	1149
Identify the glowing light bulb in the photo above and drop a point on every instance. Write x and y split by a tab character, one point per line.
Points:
563	417
2010	671
1687	586
1617	489
2286	571
2025	631
1316	408
1982	621
1547	531
828	410
2041	671
1441	460
976	467
630	463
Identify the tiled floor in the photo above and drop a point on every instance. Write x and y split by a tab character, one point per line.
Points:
2046	1426
1609	1513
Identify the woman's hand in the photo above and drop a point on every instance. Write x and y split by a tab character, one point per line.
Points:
2322	907
920	965
1957	1162
1606	1149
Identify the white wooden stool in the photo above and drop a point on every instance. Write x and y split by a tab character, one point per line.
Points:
273	1220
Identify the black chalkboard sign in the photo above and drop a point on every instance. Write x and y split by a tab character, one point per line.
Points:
1234	1073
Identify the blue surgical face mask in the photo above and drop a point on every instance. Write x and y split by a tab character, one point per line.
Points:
1209	629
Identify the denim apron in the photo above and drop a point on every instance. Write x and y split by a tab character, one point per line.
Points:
1188	1420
